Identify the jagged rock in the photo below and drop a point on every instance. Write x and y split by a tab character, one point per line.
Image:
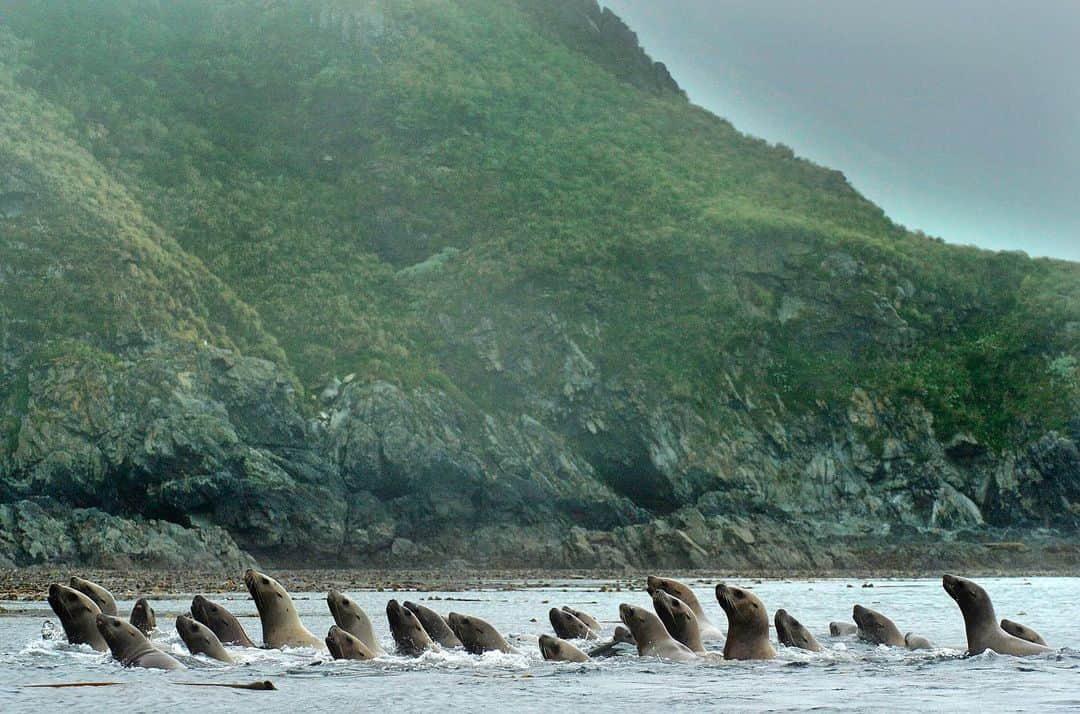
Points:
603	36
32	535
207	436
953	510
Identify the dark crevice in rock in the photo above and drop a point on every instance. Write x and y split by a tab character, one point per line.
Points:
629	471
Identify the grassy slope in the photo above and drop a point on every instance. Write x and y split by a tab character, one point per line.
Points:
307	165
85	273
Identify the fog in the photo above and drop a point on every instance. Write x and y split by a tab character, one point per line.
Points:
961	119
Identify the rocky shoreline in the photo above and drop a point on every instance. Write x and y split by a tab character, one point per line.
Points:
1051	557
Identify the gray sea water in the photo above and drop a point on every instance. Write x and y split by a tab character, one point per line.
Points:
847	676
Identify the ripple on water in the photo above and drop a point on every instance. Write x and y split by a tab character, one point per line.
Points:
846	675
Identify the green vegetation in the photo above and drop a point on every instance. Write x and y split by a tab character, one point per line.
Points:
330	184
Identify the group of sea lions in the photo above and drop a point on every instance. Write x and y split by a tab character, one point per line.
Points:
676	628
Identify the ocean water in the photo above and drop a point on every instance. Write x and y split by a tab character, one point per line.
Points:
848	676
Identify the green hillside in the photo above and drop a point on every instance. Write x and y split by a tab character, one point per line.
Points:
507	205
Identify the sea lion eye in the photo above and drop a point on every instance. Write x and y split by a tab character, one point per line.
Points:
265	581
739	594
279	595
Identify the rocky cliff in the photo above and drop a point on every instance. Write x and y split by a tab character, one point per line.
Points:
412	282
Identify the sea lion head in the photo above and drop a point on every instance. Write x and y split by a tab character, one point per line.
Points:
409	634
70	604
645	627
839	629
220	621
122	637
477	635
345	610
590	621
623	635
873	626
197	636
101	597
555	650
550	647
142	616
398	614
342	645
792	633
671	609
567	626
467	626
202	609
675	589
743	608
972	599
271	599
1022	631
917	642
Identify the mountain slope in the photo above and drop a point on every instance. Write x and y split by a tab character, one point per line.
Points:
565	297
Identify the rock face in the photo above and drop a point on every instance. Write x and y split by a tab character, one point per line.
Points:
49	532
176	459
205	438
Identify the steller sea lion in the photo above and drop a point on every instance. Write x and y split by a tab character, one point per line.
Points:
792	633
130	647
588	619
78	616
840	629
220	621
343	645
1022	631
980	622
748	624
568	627
142	616
477	635
200	639
619	641
875	628
350	617
674	588
101	597
651	637
679	619
281	627
435	625
554	649
917	642
409	634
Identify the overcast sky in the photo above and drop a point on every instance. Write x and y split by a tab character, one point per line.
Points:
959	117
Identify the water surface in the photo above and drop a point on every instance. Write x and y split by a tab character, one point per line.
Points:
848	676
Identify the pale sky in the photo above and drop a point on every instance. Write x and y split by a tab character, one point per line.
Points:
958	117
